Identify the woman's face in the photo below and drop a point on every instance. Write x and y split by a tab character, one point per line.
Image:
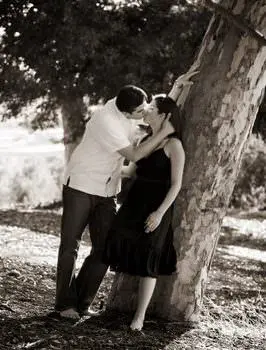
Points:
152	116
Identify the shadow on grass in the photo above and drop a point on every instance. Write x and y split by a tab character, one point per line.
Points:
259	214
231	236
37	220
48	220
43	221
108	331
237	278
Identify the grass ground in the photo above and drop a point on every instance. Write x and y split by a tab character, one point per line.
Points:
233	315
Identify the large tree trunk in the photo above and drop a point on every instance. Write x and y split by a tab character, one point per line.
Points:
220	111
73	123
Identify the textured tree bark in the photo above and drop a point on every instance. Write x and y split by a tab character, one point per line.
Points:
220	109
73	123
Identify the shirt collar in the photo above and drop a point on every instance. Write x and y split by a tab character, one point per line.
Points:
111	105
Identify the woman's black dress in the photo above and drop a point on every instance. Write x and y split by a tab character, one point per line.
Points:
129	248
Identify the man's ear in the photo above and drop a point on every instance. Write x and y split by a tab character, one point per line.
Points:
166	116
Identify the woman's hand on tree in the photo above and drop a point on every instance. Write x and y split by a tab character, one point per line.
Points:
184	79
153	221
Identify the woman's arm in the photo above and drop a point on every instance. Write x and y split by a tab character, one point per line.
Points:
175	152
182	81
175	91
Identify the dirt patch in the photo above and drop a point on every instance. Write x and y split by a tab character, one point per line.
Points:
233	315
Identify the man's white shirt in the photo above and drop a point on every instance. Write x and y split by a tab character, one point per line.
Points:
95	165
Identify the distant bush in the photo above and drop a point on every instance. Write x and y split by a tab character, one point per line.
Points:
30	180
250	189
36	180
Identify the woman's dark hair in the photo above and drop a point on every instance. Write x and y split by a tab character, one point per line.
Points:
166	105
129	98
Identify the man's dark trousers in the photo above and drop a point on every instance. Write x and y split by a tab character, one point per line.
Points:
79	210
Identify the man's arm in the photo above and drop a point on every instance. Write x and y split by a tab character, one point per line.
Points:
135	153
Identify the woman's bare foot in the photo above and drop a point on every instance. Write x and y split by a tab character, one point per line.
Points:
70	313
137	324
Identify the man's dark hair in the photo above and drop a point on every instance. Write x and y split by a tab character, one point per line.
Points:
166	105
129	98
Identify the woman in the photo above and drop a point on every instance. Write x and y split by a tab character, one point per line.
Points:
140	242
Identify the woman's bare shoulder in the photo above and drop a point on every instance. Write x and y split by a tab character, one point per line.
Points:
174	143
174	147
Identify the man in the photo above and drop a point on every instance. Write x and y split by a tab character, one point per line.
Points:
93	179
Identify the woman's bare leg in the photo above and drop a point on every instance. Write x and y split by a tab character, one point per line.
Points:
146	288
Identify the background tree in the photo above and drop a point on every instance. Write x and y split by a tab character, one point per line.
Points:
220	112
69	49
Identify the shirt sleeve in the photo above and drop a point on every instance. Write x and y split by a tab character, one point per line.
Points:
109	133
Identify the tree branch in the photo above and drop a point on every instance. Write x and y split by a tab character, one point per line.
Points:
235	20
